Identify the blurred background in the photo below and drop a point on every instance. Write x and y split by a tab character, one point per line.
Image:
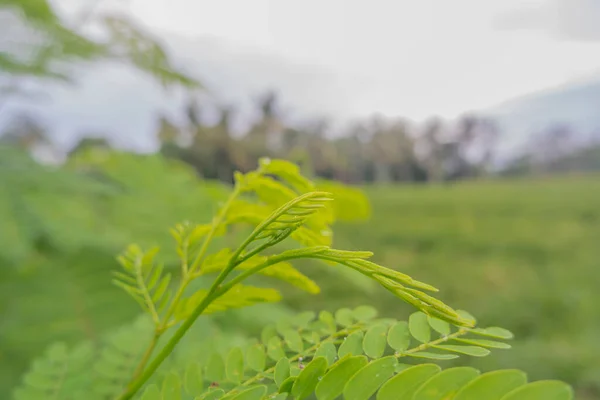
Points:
472	128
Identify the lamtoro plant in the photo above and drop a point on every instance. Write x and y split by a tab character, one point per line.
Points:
350	354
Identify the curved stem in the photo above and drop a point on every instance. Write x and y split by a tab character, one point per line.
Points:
216	222
136	385
147	354
140	375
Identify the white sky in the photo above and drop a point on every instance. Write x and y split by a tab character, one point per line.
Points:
413	58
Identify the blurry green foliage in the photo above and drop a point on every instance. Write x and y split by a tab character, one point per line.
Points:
524	252
38	44
66	223
60	230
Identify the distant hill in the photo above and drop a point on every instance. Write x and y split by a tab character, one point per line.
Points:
575	105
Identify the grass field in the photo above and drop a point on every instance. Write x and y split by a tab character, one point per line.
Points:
524	255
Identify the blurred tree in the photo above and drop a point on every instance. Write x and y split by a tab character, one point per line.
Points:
432	150
37	45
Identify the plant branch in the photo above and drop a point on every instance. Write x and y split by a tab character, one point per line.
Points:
136	382
305	353
136	385
139	369
425	346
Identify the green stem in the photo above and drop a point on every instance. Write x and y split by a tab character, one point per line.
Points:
215	291
144	375
427	345
217	221
201	253
136	385
147	354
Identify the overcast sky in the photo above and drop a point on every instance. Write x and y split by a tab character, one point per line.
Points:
344	58
406	56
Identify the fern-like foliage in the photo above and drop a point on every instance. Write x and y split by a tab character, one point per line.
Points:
350	354
62	226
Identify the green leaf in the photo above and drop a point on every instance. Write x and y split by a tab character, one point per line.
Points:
419	327
236	297
274	349
404	385
285	272
364	383
401	367
282	371
283	325
295	370
364	313
152	392
255	393
439	326
327	318
492	385
484	343
293	340
375	340
541	390
327	350
215	368
473	351
162	288
352	345
399	336
332	384
432	356
303	319
256	357
287	171
234	367
494	332
311	337
466	315
193	380
211	395
171	388
344	317
309	377
445	384
267	333
286	385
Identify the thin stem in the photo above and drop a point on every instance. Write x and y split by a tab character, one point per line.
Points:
199	257
217	221
135	386
147	298
427	345
274	215
136	383
215	291
147	354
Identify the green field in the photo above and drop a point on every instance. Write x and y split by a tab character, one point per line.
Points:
524	255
